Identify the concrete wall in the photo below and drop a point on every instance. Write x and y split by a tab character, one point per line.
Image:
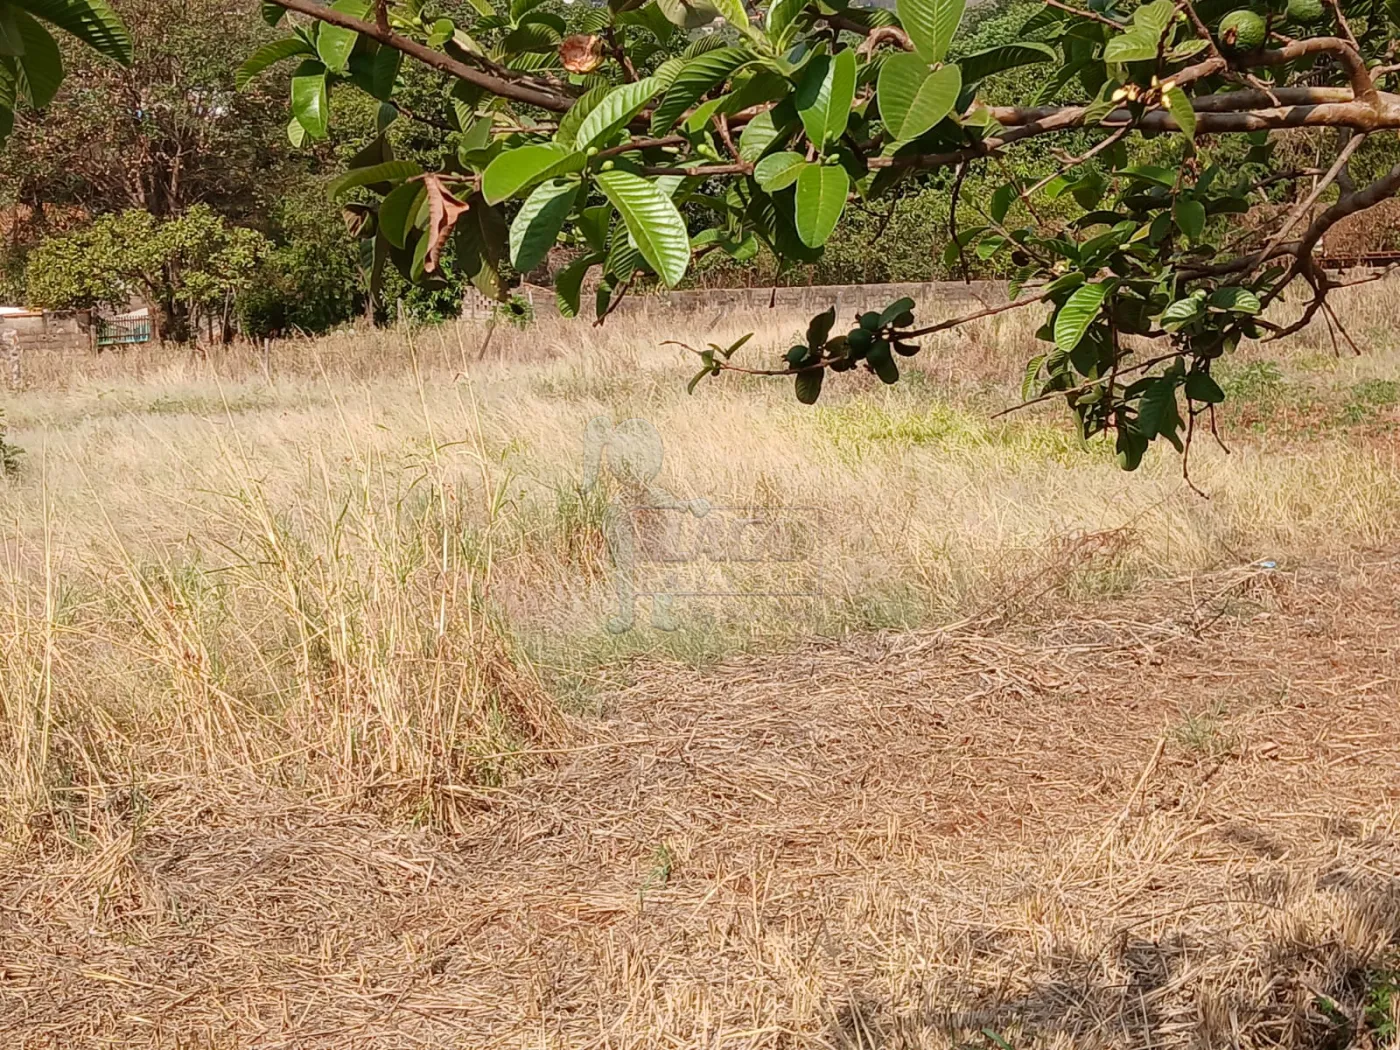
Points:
848	299
933	299
48	333
26	337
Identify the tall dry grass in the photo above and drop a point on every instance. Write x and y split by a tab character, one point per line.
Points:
365	569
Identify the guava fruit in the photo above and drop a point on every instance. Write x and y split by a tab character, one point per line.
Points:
1242	31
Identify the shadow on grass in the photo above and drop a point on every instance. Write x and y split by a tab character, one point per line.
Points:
1303	992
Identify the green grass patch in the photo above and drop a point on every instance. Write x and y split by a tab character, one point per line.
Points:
1206	734
1368	399
1262	399
861	428
1258	382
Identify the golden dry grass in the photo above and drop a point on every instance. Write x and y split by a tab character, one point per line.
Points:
311	735
1172	824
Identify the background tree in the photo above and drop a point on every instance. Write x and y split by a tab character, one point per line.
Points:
170	131
195	265
161	133
31	64
309	279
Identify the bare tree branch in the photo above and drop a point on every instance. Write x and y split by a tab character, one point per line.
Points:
1386	186
1305	206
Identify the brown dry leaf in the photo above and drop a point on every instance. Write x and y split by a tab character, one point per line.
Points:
355	216
581	53
443	212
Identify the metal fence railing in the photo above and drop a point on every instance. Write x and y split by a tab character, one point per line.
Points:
122	333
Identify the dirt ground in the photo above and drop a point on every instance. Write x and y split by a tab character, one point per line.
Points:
1173	823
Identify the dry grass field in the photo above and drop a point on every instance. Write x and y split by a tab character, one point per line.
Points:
312	736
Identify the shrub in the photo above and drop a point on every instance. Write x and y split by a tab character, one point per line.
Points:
9	454
188	266
310	279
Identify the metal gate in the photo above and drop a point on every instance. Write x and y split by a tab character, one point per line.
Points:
121	333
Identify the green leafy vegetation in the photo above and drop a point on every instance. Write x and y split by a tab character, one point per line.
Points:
1369	398
1382	1003
640	149
31	64
1104	161
308	277
169	131
517	310
9	454
192	267
1206	734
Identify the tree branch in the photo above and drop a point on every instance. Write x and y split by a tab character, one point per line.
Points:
629	71
1343	25
497	85
1345	52
741	168
941	326
885	34
1201	30
1306	205
1091	15
1386	186
991	311
1031	122
1237	101
1086	387
640	144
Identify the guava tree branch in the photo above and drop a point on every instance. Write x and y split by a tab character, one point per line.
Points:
1092	16
1367	109
1314	108
1239	102
700	170
874	35
885	34
1351	203
500	82
1089	385
1305	206
1358	115
1345	52
1343	24
1300	251
1278	108
941	326
1255	98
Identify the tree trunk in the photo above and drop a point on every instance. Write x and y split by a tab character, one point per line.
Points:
226	320
174	323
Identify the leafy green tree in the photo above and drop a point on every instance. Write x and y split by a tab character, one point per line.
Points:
164	132
167	130
769	129
172	130
31	65
190	266
309	279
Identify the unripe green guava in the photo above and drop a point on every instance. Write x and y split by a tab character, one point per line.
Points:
1242	31
1305	12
